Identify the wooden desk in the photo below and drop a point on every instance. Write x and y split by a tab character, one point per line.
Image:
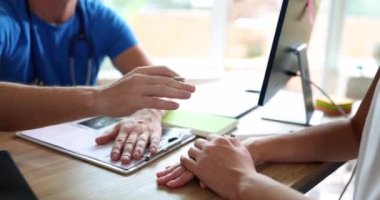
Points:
53	175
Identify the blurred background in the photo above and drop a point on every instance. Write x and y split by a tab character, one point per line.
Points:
208	36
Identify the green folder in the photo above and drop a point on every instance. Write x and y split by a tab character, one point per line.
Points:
202	124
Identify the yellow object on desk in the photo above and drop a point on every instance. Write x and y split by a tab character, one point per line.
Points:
323	104
201	124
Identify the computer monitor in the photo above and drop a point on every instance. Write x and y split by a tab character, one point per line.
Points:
288	56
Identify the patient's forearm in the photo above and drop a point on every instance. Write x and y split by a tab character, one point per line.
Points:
335	141
257	186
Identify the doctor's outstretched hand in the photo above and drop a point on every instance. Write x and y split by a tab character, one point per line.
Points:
147	91
143	87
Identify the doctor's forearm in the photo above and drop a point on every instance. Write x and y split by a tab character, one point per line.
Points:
25	107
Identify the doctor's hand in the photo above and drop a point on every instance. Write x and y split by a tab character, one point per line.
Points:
133	134
143	87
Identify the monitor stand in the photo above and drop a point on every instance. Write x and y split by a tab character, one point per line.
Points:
286	107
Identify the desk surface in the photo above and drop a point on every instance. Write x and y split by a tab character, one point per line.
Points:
53	175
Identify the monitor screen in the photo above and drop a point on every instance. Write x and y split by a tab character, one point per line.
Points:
294	28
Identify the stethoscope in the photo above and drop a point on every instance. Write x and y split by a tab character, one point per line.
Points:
80	36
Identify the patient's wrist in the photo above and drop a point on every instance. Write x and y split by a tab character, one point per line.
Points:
252	145
249	186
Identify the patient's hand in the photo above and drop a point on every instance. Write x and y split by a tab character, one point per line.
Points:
175	176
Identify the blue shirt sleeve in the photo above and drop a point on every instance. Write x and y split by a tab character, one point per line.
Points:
110	31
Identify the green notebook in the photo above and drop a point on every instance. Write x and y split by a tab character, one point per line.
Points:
202	124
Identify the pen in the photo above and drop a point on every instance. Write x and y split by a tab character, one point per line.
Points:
253	91
171	142
178	78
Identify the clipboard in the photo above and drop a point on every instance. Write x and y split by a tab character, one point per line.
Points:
78	140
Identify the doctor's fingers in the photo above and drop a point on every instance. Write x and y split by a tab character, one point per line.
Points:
129	145
108	136
163	81
140	145
155	71
164	91
155	138
167	82
156	103
119	143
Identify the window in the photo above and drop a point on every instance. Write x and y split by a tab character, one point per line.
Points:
173	32
363	8
193	34
353	46
360	37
